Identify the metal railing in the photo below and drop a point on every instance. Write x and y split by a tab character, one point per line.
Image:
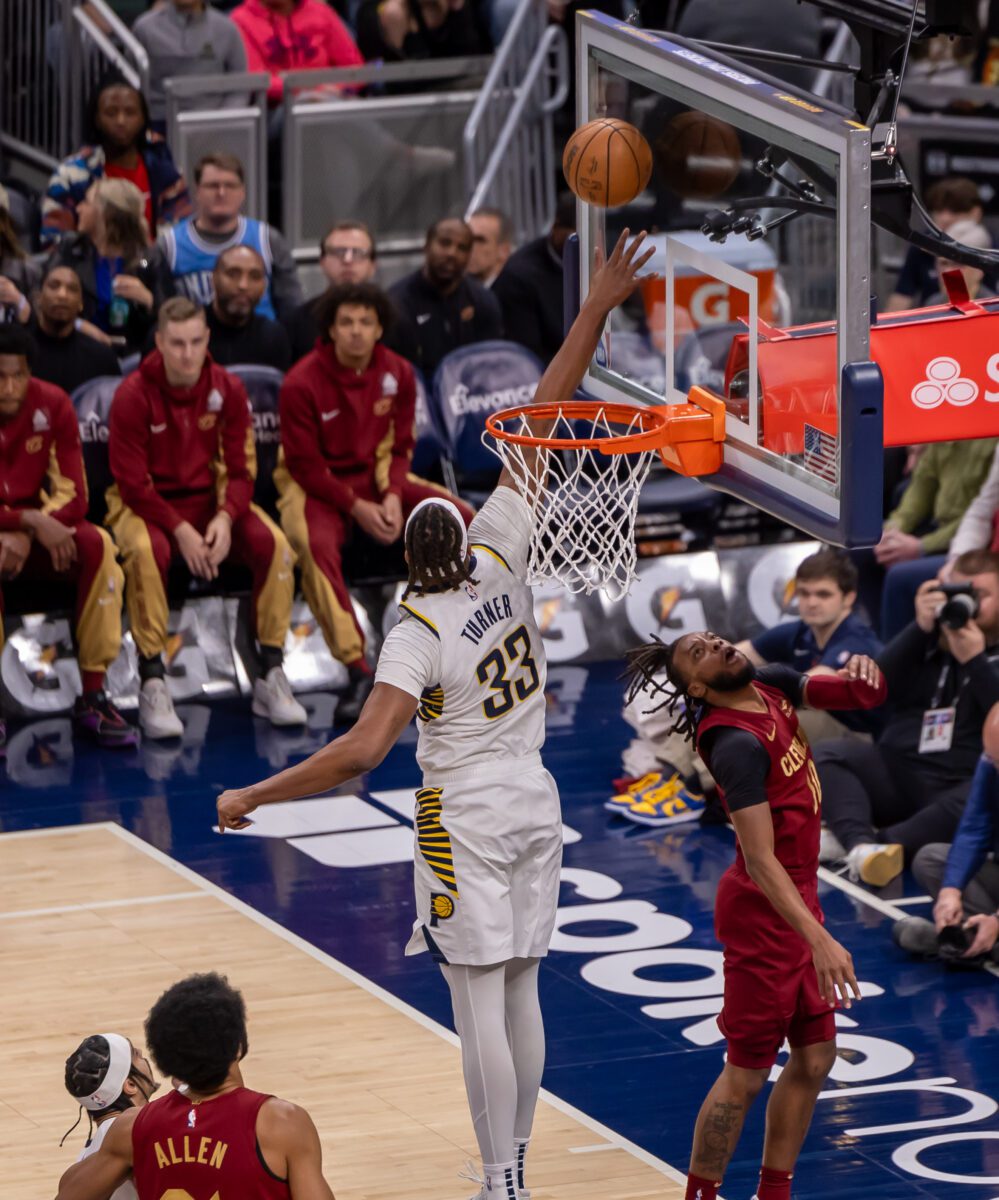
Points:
51	54
508	140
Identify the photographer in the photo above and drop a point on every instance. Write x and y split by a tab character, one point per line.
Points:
963	878
885	802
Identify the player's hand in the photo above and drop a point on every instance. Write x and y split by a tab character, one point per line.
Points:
373	521
232	807
195	551
392	512
613	281
896	546
218	538
834	968
948	909
57	538
965	643
859	666
985	927
15	547
929	600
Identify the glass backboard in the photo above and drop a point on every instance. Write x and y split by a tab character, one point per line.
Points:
782	183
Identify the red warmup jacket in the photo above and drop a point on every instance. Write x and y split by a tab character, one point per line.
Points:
166	442
41	463
338	427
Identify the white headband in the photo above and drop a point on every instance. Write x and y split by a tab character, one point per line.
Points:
119	1066
452	509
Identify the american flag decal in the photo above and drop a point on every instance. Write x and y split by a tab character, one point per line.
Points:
820	454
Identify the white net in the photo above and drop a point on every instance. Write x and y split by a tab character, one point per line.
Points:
584	501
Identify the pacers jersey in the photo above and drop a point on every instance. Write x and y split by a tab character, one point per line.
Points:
192	259
125	1191
203	1150
473	656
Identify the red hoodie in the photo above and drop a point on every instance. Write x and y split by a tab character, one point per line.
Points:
312	36
167	442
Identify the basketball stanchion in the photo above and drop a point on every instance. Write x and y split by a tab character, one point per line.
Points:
583	486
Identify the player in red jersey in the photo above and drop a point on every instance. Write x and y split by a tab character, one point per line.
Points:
782	969
216	1139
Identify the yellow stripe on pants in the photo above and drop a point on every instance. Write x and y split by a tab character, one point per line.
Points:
98	629
276	597
148	611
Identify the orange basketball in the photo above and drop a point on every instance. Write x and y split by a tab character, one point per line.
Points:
698	156
607	162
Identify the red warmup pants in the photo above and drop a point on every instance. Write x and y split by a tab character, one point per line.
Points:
147	552
318	532
98	580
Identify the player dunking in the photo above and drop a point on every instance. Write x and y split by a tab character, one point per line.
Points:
782	969
468	661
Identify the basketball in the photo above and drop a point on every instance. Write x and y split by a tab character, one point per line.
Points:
607	162
698	156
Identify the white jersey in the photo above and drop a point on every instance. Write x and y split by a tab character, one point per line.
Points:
474	656
125	1191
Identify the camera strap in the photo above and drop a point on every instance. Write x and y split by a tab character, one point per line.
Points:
937	733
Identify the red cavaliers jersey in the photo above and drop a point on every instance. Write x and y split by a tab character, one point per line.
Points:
205	1151
792	783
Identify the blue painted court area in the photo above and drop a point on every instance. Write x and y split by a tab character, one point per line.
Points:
632	987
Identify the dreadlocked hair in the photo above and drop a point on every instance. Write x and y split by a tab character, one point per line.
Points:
85	1071
433	545
656	658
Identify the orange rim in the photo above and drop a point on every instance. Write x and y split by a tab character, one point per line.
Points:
652	436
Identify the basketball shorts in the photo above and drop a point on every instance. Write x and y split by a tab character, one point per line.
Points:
487	859
771	988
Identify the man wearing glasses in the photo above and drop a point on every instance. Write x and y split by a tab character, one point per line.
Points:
193	246
347	254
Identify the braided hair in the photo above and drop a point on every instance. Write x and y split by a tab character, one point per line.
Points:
85	1071
434	549
655	658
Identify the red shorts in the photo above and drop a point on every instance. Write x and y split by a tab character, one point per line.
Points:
771	989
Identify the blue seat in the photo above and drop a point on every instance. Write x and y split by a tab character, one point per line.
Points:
92	404
633	356
471	383
263	387
427	446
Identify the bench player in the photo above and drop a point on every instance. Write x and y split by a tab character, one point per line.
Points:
468	661
782	969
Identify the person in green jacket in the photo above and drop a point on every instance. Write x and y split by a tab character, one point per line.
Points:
917	534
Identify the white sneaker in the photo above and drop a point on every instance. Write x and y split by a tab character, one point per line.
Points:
272	698
830	847
874	863
484	1193
157	717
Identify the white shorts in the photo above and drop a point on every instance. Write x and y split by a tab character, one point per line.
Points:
487	860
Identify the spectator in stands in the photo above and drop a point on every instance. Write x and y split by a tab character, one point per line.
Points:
181	453
193	246
529	288
979	527
407	30
44	533
963	876
347	413
447	307
948	201
886	801
492	242
188	37
827	633
124	279
120	146
67	357
18	274
969	233
239	334
917	533
293	35
347	254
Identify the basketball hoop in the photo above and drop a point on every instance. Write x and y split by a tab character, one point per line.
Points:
582	479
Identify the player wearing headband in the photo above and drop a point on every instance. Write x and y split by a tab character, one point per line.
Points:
107	1076
467	660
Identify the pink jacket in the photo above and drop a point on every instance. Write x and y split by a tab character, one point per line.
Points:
311	37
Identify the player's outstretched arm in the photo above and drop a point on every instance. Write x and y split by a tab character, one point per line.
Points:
860	684
386	713
612	283
96	1177
833	963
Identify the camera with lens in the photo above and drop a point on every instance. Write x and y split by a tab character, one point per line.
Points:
953	941
961	606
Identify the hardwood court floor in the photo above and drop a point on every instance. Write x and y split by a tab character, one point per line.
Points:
94	925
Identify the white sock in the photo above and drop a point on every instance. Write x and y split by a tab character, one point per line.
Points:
500	1180
520	1145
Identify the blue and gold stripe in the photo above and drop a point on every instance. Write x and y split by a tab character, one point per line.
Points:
433	839
422	619
492	553
431	704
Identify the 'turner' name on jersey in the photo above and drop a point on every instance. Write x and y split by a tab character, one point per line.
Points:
492	611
